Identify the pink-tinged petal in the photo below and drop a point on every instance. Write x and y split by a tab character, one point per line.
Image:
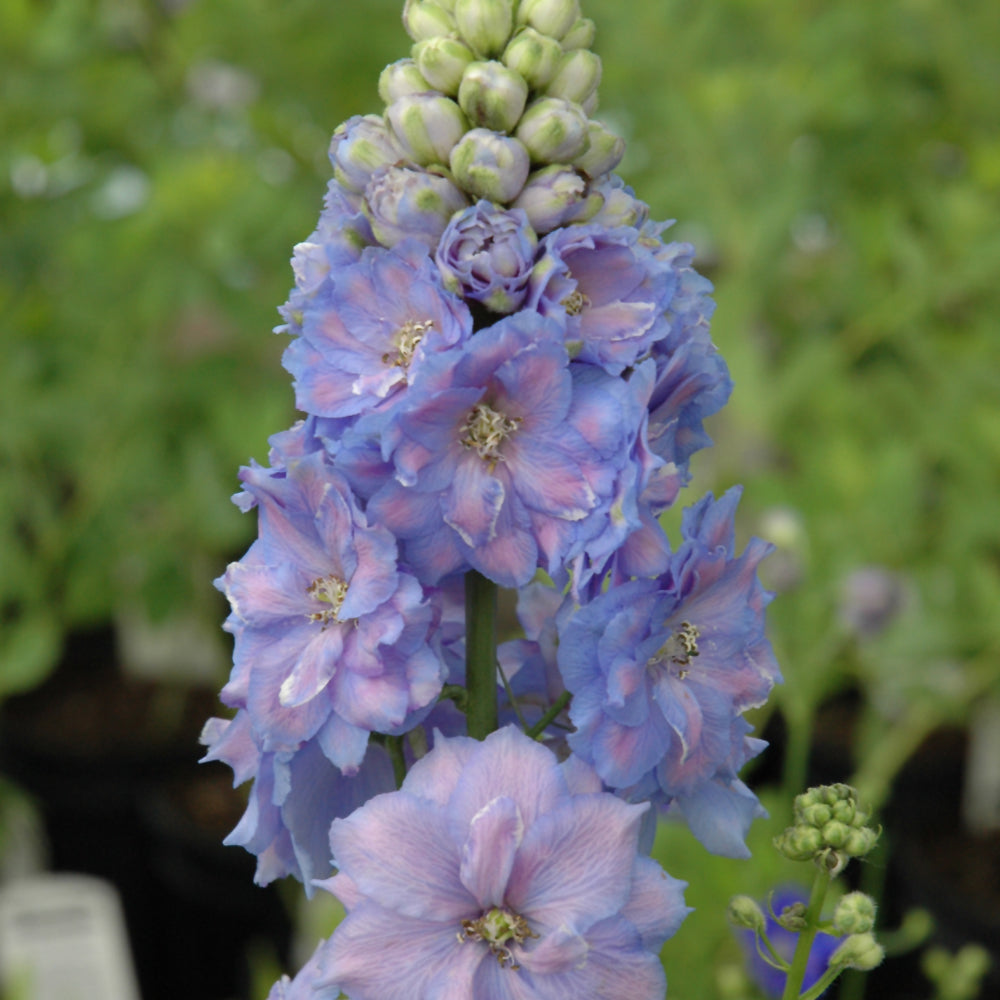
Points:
231	741
558	951
506	763
400	854
581	778
375	703
548	480
435	776
503	983
342	744
263	595
313	669
472	504
622	754
656	906
343	887
575	864
375	954
487	856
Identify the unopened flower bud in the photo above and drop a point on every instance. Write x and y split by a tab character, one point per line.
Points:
442	62
488	165
799	843
793	917
361	146
427	126
855	914
426	19
553	130
403	202
843	811
400	79
485	25
745	912
552	197
550	17
590	105
859	951
492	95
603	153
817	814
835	834
577	77
534	56
860	842
580	36
621	207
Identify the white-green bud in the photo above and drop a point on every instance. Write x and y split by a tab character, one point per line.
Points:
486	25
359	147
552	197
426	19
816	814
492	95
590	105
745	912
854	914
580	36
448	5
442	62
603	153
577	78
860	842
427	126
553	130
859	951
534	56
793	917
490	165
401	78
551	17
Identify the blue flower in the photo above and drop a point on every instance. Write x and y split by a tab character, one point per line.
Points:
331	637
497	872
607	288
496	468
661	671
366	339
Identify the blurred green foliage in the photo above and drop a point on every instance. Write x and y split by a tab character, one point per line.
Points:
835	162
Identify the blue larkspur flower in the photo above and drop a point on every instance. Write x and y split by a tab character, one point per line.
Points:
331	637
366	339
497	872
661	671
500	460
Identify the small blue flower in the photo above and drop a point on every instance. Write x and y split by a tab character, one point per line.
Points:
331	637
366	339
661	671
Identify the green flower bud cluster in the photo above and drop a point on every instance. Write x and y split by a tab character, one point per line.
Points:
499	93
855	914
830	827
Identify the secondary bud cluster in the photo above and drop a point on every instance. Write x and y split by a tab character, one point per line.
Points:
496	96
830	828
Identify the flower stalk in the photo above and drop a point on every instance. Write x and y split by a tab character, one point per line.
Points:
481	654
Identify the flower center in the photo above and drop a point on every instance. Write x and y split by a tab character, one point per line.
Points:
497	928
329	590
485	430
405	342
678	649
575	303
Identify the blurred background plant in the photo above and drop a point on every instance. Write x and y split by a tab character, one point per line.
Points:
835	162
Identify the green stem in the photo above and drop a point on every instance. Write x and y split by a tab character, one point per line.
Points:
797	973
394	746
481	654
557	706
